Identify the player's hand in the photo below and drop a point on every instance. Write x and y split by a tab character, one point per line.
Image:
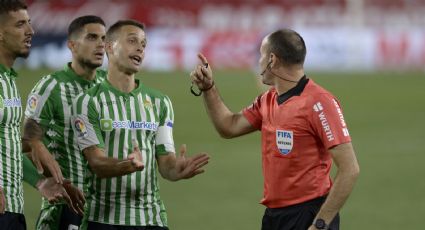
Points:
76	196
40	156
136	157
54	192
188	167
2	201
202	74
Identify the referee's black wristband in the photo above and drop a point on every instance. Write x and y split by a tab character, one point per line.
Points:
209	87
197	94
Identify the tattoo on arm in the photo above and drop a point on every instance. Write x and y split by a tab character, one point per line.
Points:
32	130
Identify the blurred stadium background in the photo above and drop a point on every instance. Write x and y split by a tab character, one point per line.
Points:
370	53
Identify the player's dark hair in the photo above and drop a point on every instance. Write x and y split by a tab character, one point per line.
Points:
12	5
77	24
288	46
110	34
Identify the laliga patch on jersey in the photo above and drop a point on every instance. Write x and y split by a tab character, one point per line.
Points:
32	103
80	127
284	141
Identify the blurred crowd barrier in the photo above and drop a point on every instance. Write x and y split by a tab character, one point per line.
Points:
361	35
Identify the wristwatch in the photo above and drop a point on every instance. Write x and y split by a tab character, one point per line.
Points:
320	224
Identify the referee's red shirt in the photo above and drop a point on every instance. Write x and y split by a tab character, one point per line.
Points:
296	137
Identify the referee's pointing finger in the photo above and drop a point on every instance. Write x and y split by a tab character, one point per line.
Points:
203	59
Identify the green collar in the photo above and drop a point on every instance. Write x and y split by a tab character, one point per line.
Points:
8	72
70	73
118	92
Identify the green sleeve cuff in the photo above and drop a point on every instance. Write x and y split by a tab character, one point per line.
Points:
31	175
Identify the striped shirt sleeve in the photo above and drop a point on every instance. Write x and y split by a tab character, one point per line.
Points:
85	123
40	104
164	137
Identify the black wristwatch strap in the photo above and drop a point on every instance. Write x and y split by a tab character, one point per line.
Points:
320	224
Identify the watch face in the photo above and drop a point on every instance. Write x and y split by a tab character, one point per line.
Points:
320	224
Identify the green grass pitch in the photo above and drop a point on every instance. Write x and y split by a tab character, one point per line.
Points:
386	116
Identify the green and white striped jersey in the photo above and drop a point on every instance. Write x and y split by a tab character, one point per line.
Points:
110	119
10	141
50	104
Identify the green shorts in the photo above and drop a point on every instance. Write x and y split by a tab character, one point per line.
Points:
59	216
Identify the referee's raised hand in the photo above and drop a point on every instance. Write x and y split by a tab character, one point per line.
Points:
202	74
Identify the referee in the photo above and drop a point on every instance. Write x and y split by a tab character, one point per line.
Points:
303	132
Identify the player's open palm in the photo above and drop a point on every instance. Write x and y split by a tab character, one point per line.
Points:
136	157
54	192
76	196
188	167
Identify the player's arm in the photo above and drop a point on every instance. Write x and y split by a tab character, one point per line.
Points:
39	112
227	123
51	190
174	168
2	201
347	172
105	167
88	135
32	141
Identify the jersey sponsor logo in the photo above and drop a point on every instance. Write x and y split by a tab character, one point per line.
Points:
32	103
341	118
80	127
284	141
326	127
108	125
318	108
10	102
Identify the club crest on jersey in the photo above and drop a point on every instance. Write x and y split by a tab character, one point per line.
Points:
284	141
147	104
32	103
80	127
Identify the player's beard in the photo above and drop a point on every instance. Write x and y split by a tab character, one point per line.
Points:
23	54
86	63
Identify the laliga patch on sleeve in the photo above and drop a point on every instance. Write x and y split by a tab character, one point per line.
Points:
80	127
32	103
284	141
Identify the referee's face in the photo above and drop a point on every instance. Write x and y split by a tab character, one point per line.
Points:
89	46
16	33
265	62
